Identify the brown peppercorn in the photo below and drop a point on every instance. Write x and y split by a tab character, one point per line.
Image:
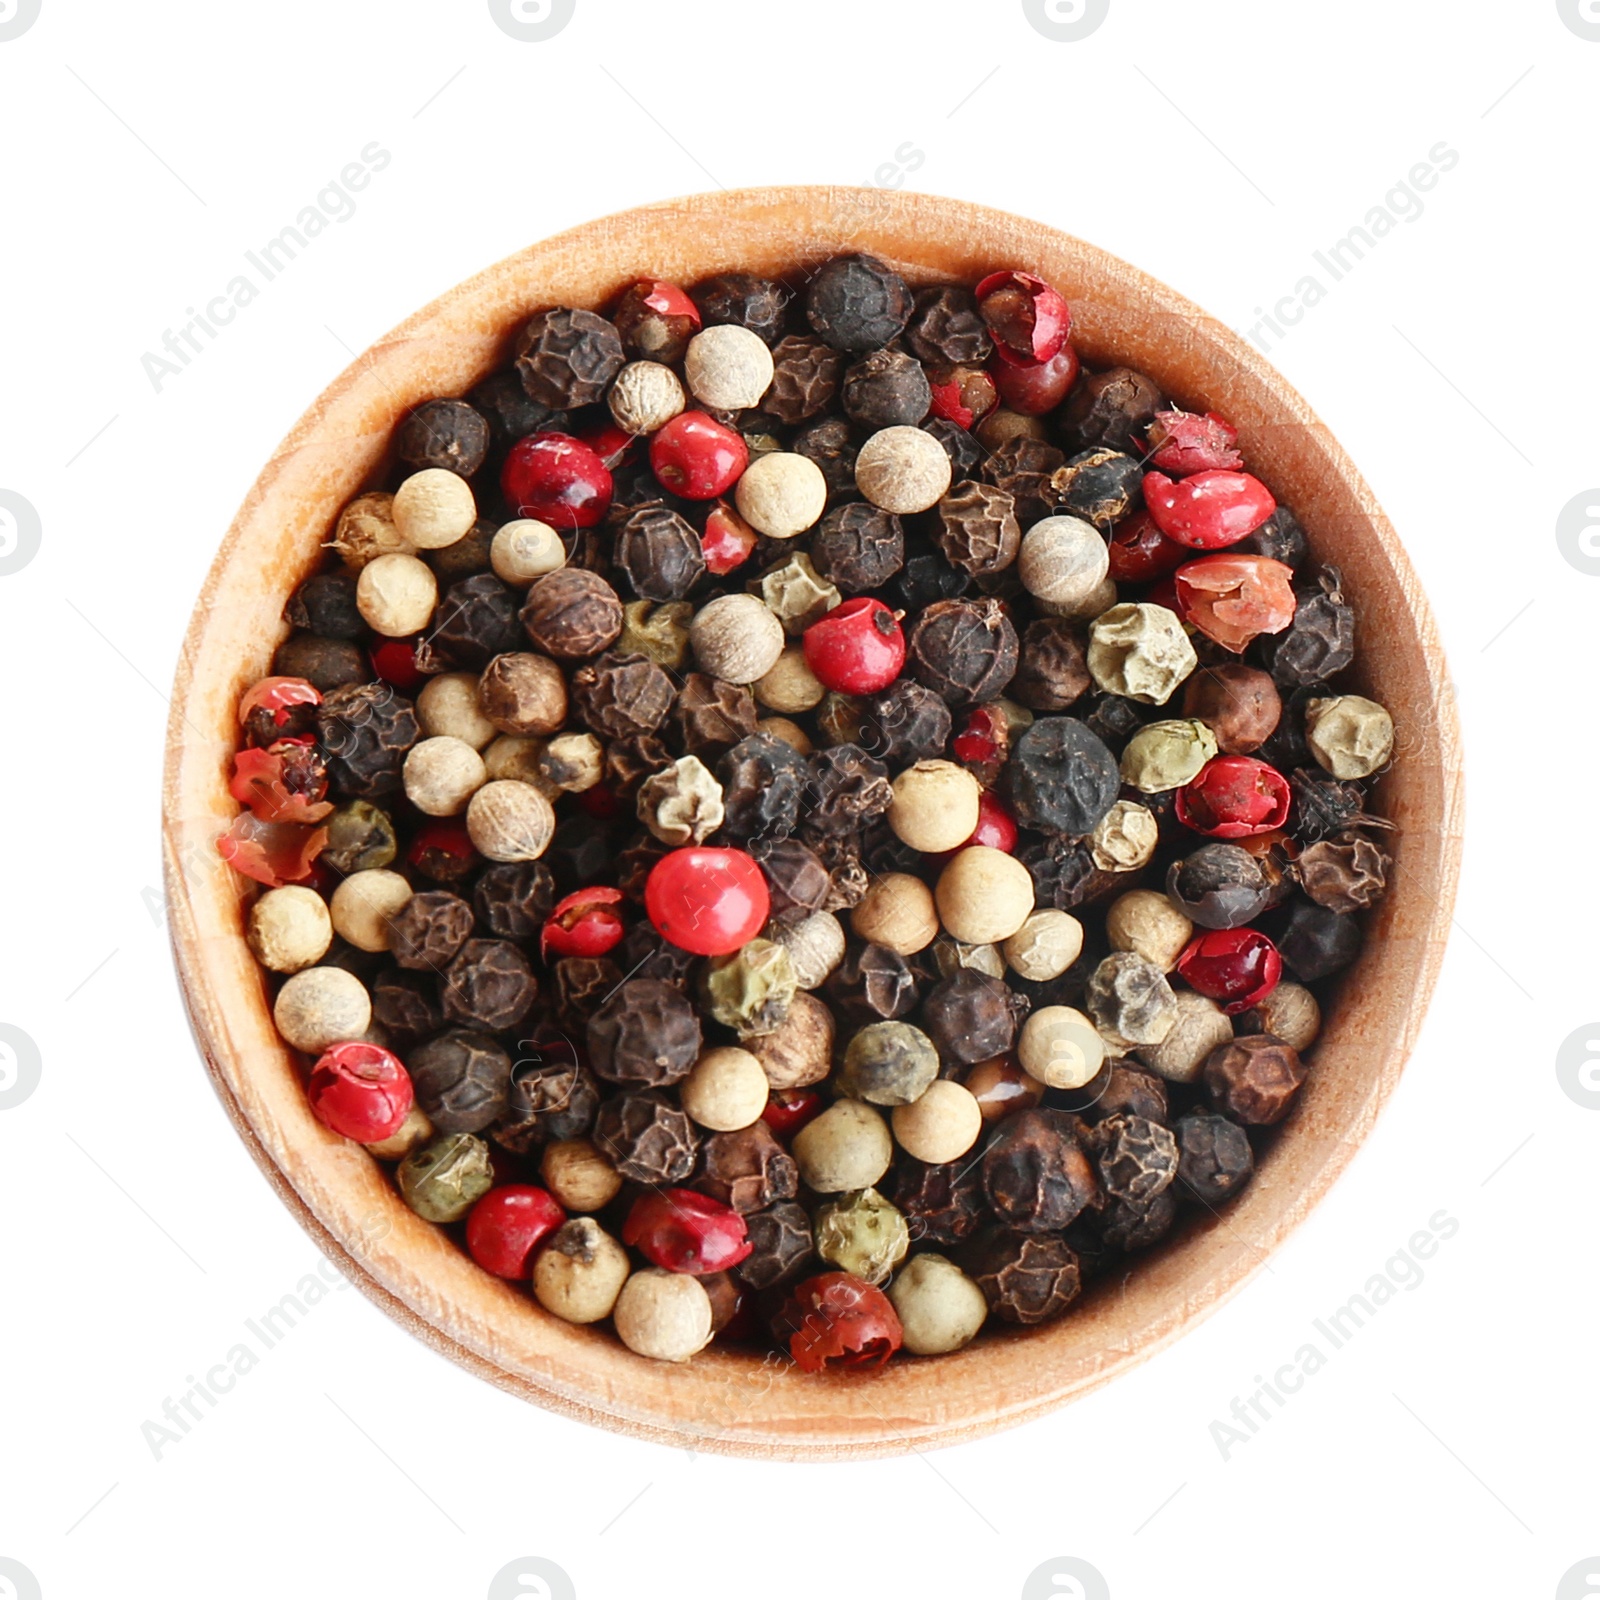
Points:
872	984
657	550
781	1243
523	693
571	613
962	447
1136	1158
550	1098
1127	1226
1025	1278
405	1006
647	1033
1346	873
1214	1157
886	389
971	1017
461	1080
646	1137
1000	1087
1254	1079
763	784
1121	1089
712	716
488	985
1320	641
966	651
942	1204
1111	409
845	788
1053	670
622	696
978	528
566	358
1002	425
797	881
945	327
858	547
646	332
444	433
1025	469
799	1051
365	731
326	664
1099	485
805	378
429	930
905	724
1035	1172
743	300
1239	704
747	1169
581	984
832	446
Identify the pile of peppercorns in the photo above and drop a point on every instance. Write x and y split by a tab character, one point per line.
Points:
792	818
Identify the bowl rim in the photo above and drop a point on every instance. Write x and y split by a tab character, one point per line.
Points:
730	1403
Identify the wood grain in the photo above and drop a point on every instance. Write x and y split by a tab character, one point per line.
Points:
731	1402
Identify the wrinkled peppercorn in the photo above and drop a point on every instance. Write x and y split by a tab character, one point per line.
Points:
1136	1158
1053	670
857	302
1214	1156
747	1169
1319	642
743	300
945	327
647	1033
1112	718
886	389
511	412
461	1080
871	984
488	985
1322	805
1127	1225
1122	1089
326	664
712	716
763	784
566	358
1279	538
657	551
444	433
1065	874
476	620
797	881
581	984
965	452
1101	486
780	1244
805	378
905	724
942	1204
1062	778
551	1097
1254	1079
365	731
570	613
1025	1278
971	1017
1219	886
845	787
978	529
1317	942
858	547
1035	1172
426	933
406	1006
621	696
966	651
1111	409
1347	873
326	604
646	1137
1025	469
831	445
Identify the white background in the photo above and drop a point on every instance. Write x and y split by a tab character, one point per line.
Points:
1448	1447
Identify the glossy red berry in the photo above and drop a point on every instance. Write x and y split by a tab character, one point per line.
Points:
447	835
1141	552
696	457
360	1091
278	697
1036	389
962	395
995	826
857	648
1028	319
983	739
680	1230
1234	797
508	1225
1184	442
789	1110
395	661
728	541
1209	511
708	901
1236	967
608	442
555	478
1232	598
586	923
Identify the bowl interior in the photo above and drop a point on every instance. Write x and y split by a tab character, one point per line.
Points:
723	1400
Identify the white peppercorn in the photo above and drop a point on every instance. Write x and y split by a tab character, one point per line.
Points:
580	1272
572	762
897	911
290	929
941	1125
396	594
789	685
412	1134
433	508
935	806
781	494
727	367
1063	560
366	531
322	1006
1140	652
726	1089
1044	946
645	396
736	638
1198	1028
1350	736
519	760
1290	1013
681	804
816	946
442	774
1125	838
1060	1047
984	895
940	1308
524	550
580	1178
663	1315
510	821
903	470
364	904
847	1147
1150	925
1095	603
447	706
1165	755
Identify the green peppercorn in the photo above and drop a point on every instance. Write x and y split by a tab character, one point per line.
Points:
751	990
1166	755
861	1233
360	838
442	1181
888	1064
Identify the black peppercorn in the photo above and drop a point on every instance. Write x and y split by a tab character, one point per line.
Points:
1136	1158
326	604
468	556
444	433
326	664
365	730
1062	778
566	358
978	529
476	621
743	300
635	862
763	784
1035	1172
630	761
711	715
1323	805
966	651
1064	873
646	1138
657	551
831	445
428	931
1025	1278
571	613
1113	719
513	899
1111	409
581	852
551	1096
905	724
1279	538
582	984
941	1204
945	327
1320	641
1317	942
1120	1088
748	1169
872	984
780	1244
844	787
1099	485
622	696
886	389
646	1034
406	1006
488	985
461	1080
643	953
797	881
511	412
963	448
1025	468
857	302
805	378
1218	886
1053	671
925	578
858	547
1254	1079
971	1017
1128	1225
1214	1157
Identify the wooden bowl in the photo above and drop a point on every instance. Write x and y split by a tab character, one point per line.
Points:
728	1401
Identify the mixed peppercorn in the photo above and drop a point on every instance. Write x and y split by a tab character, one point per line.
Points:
803	815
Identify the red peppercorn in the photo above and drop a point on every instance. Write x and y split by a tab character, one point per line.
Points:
556	479
1234	797
1236	967
995	826
857	648
1141	552
982	739
508	1225
962	395
448	834
1028	319
583	924
837	1321
1233	598
1184	442
278	696
395	661
360	1091
602	804
696	457
708	901
1163	593
680	1230
789	1110
608	442
1034	390
273	853
1209	510
728	541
